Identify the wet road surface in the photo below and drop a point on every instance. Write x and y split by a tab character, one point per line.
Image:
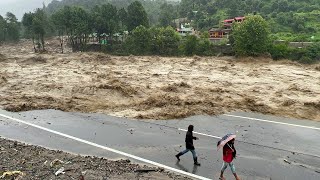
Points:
272	149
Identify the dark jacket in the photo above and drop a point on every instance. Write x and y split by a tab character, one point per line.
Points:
190	138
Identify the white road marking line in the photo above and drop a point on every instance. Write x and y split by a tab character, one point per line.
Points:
275	122
108	149
217	137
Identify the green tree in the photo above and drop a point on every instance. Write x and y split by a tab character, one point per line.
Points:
123	17
205	35
168	41
105	19
279	51
136	16
62	20
167	14
59	25
186	6
80	23
2	29
164	41
139	43
39	23
27	22
155	39
298	24
208	13
204	47
152	7
313	53
251	37
76	23
190	45
12	29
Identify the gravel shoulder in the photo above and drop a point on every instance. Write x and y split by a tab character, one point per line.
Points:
39	163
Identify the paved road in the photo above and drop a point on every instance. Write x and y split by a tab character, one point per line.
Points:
278	148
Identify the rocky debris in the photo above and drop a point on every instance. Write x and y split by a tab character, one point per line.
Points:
286	161
21	161
12	175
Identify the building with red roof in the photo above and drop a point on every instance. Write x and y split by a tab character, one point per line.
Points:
217	34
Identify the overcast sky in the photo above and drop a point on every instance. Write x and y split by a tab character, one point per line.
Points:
19	7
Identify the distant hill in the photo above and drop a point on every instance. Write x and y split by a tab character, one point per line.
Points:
293	20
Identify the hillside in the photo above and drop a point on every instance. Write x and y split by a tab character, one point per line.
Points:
292	20
152	7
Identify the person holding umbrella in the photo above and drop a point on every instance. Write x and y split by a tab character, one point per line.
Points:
229	153
189	146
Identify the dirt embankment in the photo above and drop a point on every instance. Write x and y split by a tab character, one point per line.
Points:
156	87
21	161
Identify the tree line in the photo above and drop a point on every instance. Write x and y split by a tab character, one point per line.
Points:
290	20
76	25
152	8
9	28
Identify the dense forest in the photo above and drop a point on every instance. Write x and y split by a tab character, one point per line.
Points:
152	7
292	20
147	27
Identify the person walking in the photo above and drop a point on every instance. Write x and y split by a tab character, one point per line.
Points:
229	153
189	146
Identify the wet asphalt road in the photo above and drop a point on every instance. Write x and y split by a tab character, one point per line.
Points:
265	150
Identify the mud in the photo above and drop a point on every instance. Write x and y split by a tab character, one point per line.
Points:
153	87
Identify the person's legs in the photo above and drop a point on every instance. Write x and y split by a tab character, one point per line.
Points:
223	168
194	155
195	158
181	153
184	151
233	169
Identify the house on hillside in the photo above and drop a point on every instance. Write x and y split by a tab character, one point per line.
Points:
186	29
218	34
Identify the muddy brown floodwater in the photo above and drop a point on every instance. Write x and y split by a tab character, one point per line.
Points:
148	87
152	87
